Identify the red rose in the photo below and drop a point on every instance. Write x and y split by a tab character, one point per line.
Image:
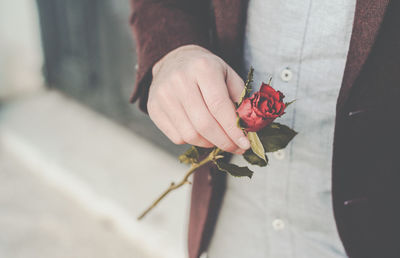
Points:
261	108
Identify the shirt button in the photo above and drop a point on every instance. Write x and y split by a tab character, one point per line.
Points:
279	154
286	75
278	224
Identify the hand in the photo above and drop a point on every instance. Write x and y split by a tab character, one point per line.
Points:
190	99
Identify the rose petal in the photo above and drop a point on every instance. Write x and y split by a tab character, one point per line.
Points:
265	106
261	108
267	89
245	108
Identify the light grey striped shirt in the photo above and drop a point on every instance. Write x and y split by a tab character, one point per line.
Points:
285	210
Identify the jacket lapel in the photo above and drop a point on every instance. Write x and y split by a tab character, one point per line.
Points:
208	186
230	23
367	21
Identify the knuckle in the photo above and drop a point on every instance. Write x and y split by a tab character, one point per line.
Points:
190	136
204	64
216	105
177	77
205	126
162	94
207	145
233	129
177	82
227	146
177	141
201	62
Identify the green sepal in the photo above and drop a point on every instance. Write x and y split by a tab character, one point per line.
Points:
249	80
239	122
288	103
233	169
276	136
256	145
192	155
254	159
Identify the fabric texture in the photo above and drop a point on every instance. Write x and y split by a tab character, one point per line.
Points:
365	178
286	207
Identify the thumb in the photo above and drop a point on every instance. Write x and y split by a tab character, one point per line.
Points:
234	83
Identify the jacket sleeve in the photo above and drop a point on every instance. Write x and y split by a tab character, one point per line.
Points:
160	26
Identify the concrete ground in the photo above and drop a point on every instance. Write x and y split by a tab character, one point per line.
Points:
37	220
72	184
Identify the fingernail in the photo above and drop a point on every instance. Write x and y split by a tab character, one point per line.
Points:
244	143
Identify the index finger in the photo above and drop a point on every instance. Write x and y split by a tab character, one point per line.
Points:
216	96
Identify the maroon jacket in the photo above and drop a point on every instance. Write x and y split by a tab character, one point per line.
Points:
365	166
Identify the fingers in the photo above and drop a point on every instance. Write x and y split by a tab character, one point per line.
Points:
216	96
205	123
175	124
187	130
235	84
190	100
161	120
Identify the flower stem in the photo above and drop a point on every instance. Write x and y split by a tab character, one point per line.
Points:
214	155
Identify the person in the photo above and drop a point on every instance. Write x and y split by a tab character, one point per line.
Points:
340	60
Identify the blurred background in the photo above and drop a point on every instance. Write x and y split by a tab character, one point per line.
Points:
78	162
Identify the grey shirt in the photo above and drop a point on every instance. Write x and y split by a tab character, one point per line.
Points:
285	210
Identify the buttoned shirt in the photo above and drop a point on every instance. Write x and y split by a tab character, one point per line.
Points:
285	210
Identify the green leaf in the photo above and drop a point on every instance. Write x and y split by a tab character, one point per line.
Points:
233	169
256	145
276	136
193	154
254	159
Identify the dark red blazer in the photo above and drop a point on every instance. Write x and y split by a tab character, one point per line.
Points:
366	156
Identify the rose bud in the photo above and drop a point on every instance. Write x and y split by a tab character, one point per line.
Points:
261	109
